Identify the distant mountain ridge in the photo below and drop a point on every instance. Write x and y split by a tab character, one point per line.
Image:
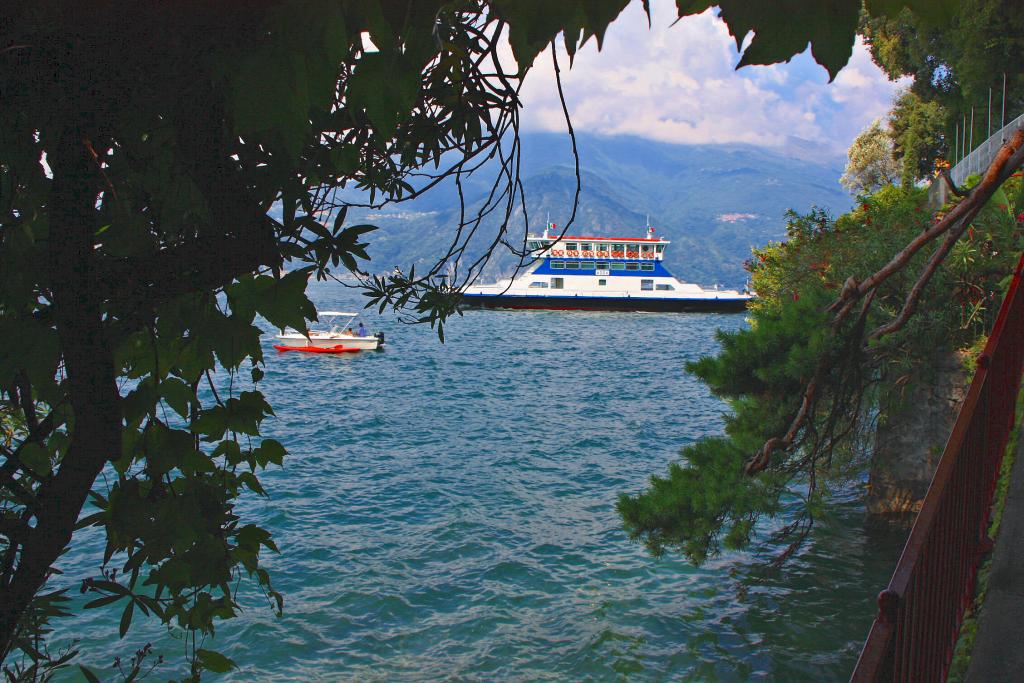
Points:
714	202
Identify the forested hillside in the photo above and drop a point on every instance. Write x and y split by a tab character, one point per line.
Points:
713	201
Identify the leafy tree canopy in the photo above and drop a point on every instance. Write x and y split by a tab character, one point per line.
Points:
871	165
141	146
955	64
795	351
918	136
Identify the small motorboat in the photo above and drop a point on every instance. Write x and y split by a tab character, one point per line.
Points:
336	338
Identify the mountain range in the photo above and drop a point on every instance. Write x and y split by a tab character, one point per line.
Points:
714	202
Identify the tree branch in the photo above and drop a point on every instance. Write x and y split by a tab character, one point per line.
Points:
948	180
1009	158
208	262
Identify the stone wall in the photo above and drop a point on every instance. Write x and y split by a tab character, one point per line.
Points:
910	440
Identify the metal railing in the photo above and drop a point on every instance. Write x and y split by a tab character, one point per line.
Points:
919	614
981	156
975	163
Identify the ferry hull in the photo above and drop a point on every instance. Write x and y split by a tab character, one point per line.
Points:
588	303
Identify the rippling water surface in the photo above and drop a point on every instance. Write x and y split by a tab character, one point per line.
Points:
447	512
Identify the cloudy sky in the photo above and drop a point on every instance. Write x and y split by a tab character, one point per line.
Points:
678	84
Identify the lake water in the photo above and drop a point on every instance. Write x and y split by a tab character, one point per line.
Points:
448	512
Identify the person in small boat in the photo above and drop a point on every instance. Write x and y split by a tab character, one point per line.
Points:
348	332
361	332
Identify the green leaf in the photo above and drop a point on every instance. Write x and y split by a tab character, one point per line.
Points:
933	13
100	602
269	451
233	339
284	302
95	519
28	345
289	202
381	32
212	423
89	675
245	413
828	25
36	457
166	448
344	161
230	451
215	661
270	96
178	395
386	105
126	618
131	440
251	537
245	293
249	479
197	462
532	25
140	402
599	15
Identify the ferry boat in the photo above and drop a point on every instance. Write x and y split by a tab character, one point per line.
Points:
601	274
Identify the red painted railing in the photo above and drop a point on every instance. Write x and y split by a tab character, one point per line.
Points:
919	614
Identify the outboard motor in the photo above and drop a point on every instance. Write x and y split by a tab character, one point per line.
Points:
380	338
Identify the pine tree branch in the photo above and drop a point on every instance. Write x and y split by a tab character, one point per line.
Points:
1009	158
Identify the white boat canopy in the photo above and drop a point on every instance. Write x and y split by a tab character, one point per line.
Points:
335	314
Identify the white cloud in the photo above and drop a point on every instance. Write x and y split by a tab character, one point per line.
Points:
678	84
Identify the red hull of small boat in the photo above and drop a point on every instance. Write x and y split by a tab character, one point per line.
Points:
317	349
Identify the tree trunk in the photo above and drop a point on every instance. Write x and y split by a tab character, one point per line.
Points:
909	441
89	368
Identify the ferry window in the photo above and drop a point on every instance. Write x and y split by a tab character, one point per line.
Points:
666	288
660	248
602	248
557	283
646	248
646	266
617	247
572	264
602	282
647	285
557	265
585	246
542	285
632	266
616	265
601	265
571	246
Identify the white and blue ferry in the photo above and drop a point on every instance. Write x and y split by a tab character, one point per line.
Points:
600	274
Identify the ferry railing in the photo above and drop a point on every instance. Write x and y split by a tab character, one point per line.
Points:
920	612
